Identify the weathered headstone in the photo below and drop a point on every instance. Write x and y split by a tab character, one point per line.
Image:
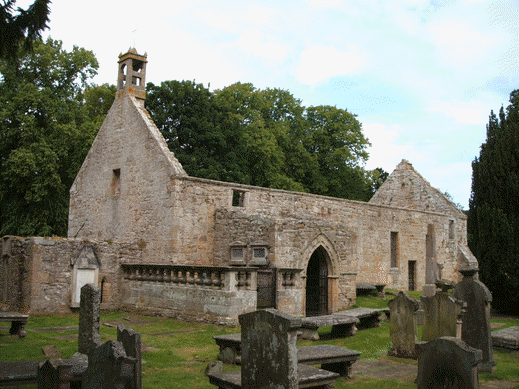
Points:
89	318
269	352
50	352
448	362
403	326
476	321
131	342
441	313
54	374
109	368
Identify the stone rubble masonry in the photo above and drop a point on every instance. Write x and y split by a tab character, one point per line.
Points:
41	270
132	189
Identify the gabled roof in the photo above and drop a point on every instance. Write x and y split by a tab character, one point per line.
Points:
406	188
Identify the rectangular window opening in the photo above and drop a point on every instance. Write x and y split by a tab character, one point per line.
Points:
394	249
451	229
259	252
237	198
116	182
237	253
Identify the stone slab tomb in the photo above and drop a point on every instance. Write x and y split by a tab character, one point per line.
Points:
404	335
506	338
475	330
448	362
441	313
269	356
18	322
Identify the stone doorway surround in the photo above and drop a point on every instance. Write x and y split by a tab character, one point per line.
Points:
320	258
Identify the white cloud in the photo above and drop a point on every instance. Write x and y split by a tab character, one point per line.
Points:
261	45
385	151
320	63
469	112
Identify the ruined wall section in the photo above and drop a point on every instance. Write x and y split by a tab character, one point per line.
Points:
121	191
46	284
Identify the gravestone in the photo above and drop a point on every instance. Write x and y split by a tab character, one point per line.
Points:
269	352
441	313
448	362
475	330
402	323
54	374
131	342
89	318
109	367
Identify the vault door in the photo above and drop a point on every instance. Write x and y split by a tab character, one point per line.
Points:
317	284
266	288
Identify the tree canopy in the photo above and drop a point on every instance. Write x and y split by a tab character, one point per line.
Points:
263	137
493	224
48	120
21	26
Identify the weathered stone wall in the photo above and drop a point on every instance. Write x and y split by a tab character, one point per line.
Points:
131	188
45	283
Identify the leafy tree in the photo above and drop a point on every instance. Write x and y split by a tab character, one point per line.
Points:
335	137
493	222
25	25
45	133
262	137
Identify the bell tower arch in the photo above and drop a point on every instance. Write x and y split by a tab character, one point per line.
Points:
132	73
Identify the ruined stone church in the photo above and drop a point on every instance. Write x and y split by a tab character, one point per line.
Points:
155	239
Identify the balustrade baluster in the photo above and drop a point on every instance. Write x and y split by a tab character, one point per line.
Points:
206	279
174	276
161	274
167	274
190	277
198	278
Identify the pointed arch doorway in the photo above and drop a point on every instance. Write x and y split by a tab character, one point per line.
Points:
317	283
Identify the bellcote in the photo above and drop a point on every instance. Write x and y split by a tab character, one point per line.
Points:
132	73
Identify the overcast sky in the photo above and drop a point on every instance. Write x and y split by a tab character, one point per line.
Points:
422	76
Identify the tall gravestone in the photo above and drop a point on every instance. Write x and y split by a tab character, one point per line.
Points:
448	363
269	352
403	326
131	342
89	308
476	320
441	313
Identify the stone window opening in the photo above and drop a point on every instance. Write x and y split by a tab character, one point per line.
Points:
238	198
136	81
259	254
116	182
237	252
123	76
394	249
451	229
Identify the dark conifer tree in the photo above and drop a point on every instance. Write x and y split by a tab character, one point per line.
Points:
493	223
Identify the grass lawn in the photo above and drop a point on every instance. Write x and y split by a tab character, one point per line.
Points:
178	352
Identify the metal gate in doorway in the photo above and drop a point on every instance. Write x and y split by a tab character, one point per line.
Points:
266	288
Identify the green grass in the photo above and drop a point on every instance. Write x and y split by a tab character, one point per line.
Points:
180	351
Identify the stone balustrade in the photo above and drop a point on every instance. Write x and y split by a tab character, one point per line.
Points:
225	278
288	277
